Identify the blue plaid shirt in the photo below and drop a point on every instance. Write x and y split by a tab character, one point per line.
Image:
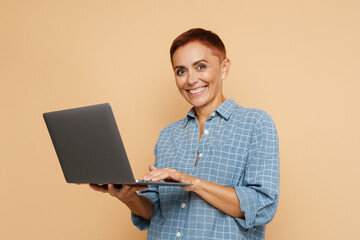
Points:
239	149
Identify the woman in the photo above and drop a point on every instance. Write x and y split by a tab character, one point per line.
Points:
228	153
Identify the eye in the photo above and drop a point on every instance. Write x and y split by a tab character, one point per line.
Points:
201	67
180	72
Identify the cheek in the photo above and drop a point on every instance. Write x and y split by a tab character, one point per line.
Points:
209	76
180	82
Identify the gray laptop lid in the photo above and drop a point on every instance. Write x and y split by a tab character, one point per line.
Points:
89	146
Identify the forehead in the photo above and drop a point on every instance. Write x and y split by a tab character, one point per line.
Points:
194	51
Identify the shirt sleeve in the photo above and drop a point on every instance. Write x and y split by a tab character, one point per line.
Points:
151	193
259	195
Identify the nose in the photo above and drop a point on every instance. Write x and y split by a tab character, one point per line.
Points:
192	78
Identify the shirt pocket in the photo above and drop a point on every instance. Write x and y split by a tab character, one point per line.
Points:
223	165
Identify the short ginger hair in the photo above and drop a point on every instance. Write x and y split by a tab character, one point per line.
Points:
203	36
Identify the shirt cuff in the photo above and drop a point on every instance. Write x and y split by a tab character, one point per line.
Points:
140	222
248	205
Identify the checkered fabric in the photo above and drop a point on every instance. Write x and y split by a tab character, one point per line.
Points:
239	149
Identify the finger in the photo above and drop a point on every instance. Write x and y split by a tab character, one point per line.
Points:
176	177
99	188
151	174
112	190
126	188
161	176
110	187
129	190
180	176
183	178
137	188
152	167
143	188
155	173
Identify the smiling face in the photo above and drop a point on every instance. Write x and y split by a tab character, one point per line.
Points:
199	74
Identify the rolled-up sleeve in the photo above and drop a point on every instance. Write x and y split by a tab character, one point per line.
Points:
259	193
152	193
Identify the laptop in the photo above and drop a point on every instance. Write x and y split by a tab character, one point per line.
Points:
90	149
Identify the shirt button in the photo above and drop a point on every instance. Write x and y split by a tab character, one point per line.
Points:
213	114
200	155
206	132
183	205
178	234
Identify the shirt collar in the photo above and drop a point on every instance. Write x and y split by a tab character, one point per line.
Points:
225	110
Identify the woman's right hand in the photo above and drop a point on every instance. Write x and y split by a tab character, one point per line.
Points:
139	205
126	194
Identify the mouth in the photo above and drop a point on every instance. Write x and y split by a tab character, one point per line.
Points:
197	91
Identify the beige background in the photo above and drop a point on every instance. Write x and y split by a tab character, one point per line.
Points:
298	60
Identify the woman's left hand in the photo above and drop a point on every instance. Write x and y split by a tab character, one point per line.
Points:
157	174
221	197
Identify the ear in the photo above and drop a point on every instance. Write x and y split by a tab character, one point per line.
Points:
225	67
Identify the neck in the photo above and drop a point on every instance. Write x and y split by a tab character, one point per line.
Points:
203	113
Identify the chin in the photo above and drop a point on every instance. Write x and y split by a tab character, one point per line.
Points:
197	102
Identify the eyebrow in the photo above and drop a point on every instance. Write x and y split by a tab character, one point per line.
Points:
194	64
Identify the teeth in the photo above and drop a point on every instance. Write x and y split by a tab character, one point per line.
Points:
197	90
